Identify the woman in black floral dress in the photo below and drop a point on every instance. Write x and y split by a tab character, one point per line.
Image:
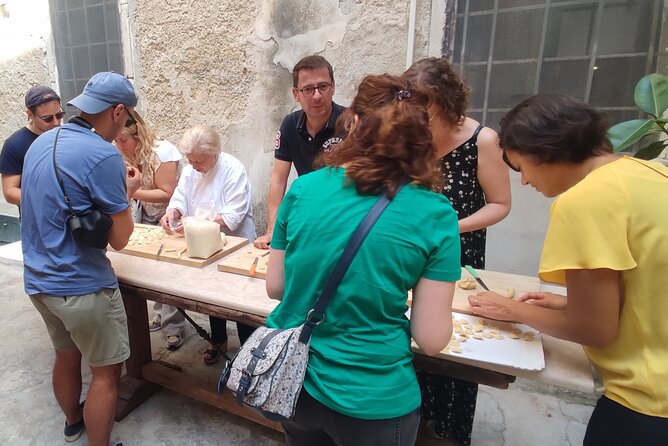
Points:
477	183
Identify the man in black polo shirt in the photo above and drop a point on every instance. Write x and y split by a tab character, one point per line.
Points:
304	133
44	113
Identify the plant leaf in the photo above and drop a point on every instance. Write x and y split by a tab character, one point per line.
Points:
625	134
651	94
651	151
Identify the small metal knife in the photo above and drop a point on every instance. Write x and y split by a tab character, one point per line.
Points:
254	265
475	275
160	251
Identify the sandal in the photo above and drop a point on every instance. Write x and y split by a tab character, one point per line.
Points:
211	356
154	325
174	342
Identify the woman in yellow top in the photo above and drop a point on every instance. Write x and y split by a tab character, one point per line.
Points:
608	243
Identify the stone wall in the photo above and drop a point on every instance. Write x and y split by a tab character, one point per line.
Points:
24	33
228	63
223	63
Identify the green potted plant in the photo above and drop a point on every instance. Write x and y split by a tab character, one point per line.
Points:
651	97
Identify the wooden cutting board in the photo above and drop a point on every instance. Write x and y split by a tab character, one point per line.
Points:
149	246
496	281
240	262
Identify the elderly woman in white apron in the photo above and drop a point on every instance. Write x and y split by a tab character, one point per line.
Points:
216	183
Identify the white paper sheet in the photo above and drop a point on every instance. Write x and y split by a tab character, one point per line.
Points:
517	353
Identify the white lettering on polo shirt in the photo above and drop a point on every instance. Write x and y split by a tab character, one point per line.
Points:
277	143
331	143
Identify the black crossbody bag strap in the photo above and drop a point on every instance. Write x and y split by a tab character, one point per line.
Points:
317	314
60	180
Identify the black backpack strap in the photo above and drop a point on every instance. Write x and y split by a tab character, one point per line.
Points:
60	180
317	314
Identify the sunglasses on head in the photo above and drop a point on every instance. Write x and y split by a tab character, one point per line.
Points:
508	163
49	118
131	119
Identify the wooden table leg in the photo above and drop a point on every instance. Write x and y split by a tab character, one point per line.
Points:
179	381
133	389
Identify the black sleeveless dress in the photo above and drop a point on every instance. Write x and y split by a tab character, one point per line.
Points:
448	404
460	172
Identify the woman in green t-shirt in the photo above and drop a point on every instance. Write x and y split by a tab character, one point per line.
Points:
360	386
607	242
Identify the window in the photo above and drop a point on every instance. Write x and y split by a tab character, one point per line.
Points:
594	50
87	41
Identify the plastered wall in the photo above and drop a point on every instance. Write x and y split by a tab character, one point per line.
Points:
25	35
224	63
228	63
24	61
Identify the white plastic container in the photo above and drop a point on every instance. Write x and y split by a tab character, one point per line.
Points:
203	237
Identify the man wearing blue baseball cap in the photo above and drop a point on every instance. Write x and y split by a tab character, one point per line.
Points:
71	283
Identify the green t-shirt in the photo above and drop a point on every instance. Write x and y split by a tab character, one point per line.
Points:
360	358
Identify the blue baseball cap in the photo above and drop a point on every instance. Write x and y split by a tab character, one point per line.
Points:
105	90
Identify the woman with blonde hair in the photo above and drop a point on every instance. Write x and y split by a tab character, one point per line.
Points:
159	164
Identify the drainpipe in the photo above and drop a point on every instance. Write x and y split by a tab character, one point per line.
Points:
411	34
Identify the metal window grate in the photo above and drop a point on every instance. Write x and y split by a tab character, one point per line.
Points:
87	40
508	50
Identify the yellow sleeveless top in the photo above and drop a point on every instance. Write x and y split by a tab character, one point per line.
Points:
617	218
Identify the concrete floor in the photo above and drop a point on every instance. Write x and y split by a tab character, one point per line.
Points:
524	415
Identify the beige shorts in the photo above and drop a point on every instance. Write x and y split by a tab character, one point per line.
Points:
95	324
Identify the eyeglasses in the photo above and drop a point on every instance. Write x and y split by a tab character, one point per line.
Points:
508	163
49	118
131	119
309	90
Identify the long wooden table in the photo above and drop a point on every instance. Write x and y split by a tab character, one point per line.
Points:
244	299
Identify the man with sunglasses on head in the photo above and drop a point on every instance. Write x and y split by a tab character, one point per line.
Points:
304	134
71	283
44	113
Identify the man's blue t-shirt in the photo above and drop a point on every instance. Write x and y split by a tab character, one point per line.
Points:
14	150
93	174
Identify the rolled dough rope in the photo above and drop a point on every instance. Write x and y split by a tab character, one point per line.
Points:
180	253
